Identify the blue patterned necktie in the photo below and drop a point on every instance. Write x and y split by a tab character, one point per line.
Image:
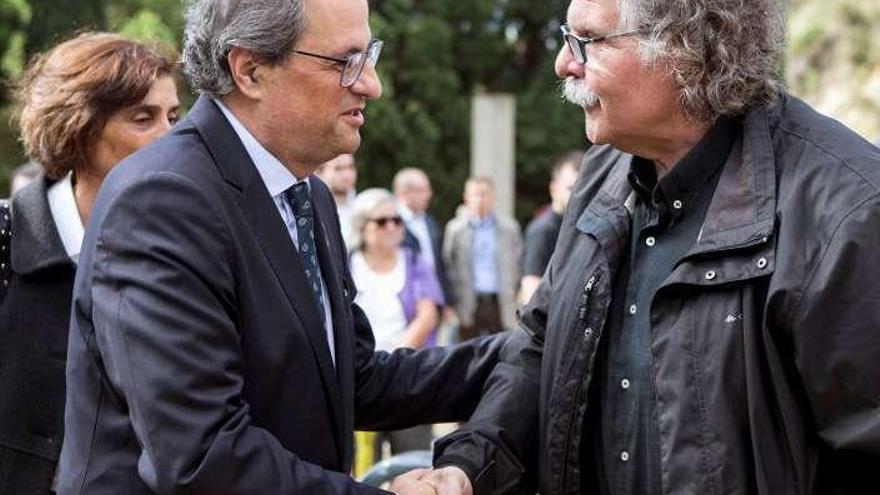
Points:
300	201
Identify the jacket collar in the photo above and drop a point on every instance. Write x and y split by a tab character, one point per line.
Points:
742	210
237	168
230	156
35	242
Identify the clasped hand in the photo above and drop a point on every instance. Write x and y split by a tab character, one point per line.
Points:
448	480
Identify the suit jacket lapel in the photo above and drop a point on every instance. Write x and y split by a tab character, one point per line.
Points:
268	228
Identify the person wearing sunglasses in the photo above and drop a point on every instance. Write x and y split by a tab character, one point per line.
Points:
215	346
709	321
397	290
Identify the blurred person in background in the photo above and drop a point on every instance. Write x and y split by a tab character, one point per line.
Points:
482	250
421	232
340	175
86	104
541	233
397	290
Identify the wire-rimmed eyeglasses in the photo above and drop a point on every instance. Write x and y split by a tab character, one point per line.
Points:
578	45
352	65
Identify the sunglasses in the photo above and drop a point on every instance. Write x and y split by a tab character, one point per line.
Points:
383	221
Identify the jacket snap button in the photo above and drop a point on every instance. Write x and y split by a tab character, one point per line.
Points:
710	275
588	333
624	456
762	263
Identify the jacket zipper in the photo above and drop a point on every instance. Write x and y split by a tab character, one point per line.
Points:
586	333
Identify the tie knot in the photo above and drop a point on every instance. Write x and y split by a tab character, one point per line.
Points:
300	199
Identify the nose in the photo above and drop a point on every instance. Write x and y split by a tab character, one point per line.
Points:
161	128
368	85
566	66
165	126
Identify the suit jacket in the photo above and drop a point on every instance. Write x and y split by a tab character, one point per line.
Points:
458	244
411	241
198	361
34	319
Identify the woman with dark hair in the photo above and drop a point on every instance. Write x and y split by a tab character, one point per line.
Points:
85	105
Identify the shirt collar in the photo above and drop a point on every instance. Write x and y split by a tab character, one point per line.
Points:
65	213
690	174
478	222
275	175
407	214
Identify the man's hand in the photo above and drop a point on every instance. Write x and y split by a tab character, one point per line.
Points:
448	480
409	485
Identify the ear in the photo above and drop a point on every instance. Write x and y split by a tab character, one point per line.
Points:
245	69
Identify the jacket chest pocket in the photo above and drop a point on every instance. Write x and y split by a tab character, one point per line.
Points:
704	311
702	326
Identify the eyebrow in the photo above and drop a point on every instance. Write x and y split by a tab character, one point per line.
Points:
141	107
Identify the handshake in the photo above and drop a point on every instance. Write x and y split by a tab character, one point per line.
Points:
448	480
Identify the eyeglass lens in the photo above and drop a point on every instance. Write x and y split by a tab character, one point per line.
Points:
356	62
577	49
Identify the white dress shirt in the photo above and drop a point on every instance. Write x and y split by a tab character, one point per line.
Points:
279	179
62	205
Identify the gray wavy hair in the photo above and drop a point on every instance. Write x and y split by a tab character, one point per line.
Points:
724	54
362	210
268	28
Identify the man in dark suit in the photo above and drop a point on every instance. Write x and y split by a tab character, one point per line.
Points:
422	234
215	347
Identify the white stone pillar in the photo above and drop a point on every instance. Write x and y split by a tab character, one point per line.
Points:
493	145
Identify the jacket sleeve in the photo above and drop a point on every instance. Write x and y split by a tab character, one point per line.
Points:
408	387
449	263
836	338
497	448
164	314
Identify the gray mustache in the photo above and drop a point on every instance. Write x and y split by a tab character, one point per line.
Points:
576	92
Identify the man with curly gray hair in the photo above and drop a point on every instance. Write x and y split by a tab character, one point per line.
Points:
709	322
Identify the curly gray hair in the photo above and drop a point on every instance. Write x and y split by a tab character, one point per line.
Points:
268	28
724	54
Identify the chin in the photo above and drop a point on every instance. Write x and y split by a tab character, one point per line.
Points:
350	143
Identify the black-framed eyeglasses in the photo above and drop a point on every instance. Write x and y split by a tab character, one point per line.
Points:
396	220
578	45
352	65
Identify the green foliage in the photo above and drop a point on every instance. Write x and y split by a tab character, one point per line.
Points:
14	16
833	60
437	54
146	25
56	20
150	20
